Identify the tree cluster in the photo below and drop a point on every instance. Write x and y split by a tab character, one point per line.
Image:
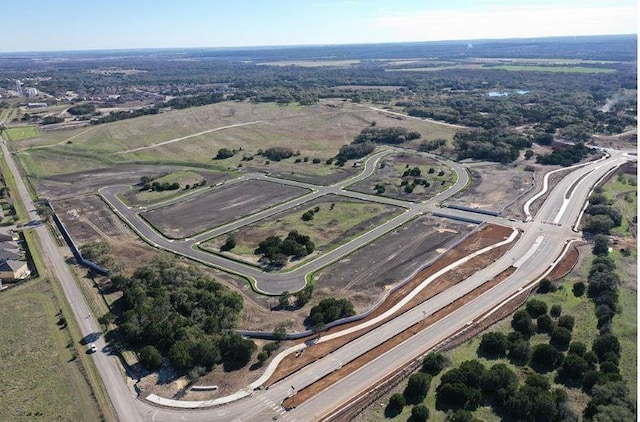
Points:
330	309
565	155
601	215
278	153
276	251
80	109
385	135
497	144
172	311
114	116
97	252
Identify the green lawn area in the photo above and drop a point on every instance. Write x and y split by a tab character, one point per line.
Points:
21	132
41	378
568	69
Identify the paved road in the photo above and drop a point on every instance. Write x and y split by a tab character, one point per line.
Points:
294	280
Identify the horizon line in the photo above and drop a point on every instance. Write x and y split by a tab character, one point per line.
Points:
281	46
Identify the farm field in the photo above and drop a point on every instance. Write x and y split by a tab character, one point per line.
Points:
337	220
217	207
391	169
41	376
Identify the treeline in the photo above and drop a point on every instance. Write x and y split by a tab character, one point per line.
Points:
194	101
565	155
171	311
80	109
114	116
601	215
499	145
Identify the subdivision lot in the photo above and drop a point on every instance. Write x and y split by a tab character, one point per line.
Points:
41	379
389	175
338	220
365	275
218	207
494	187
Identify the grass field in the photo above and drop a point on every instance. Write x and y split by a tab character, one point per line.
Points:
316	131
567	69
183	178
41	378
21	132
624	190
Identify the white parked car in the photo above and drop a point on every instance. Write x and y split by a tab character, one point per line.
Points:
92	348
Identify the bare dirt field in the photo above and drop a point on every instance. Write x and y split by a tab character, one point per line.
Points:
338	220
389	174
218	207
494	186
367	274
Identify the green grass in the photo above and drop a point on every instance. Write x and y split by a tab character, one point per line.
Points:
567	69
625	192
22	132
40	379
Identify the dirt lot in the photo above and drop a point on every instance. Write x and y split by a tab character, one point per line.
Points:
390	176
218	207
365	275
494	186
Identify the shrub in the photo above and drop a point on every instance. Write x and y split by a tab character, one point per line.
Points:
555	311
420	413
396	403
224	153
566	321
560	337
278	153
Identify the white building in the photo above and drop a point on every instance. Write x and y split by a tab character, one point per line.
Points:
31	92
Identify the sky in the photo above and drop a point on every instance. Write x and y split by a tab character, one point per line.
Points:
49	25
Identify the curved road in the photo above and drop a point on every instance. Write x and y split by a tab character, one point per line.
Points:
294	280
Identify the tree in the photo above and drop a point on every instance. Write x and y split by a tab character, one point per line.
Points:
545	286
434	362
555	311
545	357
577	348
566	321
457	396
180	356
560	337
573	367
420	413
520	351
493	344
523	323
417	387
536	308
44	211
283	299
600	245
396	403
330	309
606	343
280	332
499	382
229	244
578	288
545	323
598	224
150	357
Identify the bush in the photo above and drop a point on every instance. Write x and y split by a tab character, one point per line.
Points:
578	288
566	321
278	153
520	351
555	311
546	357
545	323
523	323
329	310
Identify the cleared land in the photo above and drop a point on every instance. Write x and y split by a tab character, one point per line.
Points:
494	187
218	207
338	220
41	377
389	174
316	131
